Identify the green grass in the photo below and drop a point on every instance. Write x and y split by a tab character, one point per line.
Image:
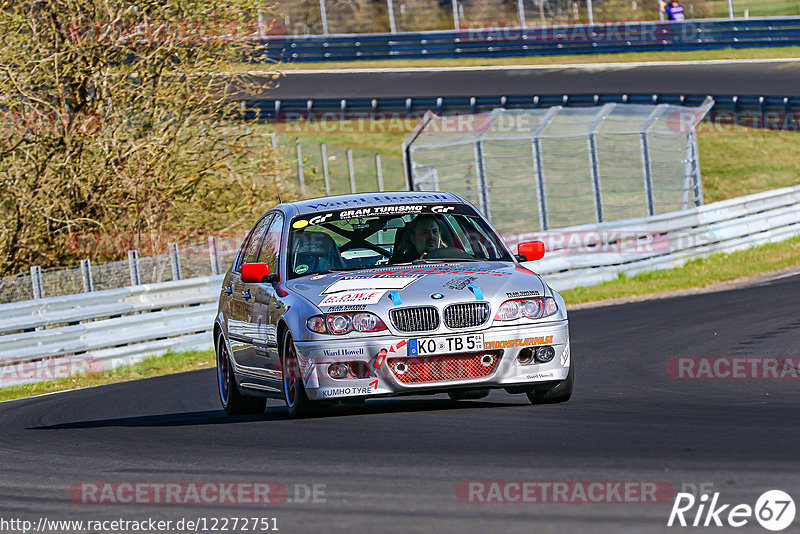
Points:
566	59
172	362
698	273
746	161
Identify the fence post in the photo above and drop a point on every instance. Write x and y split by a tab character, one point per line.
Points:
698	179
351	170
455	15
324	150
213	255
521	13
648	173
379	171
133	265
594	168
590	11
687	173
538	165
324	17
390	9
647	165
86	273
36	282
302	178
175	261
594	162
480	171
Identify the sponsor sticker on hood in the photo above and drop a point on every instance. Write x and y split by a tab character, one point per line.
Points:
360	282
353	297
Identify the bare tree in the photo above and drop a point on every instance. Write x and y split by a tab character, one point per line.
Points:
116	118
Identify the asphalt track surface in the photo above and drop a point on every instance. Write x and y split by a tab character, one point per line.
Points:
394	465
754	78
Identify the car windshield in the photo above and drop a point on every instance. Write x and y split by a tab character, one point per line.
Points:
361	238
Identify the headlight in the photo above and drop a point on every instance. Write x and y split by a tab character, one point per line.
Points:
341	323
529	308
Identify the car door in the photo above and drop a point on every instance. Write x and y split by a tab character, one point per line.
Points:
267	306
240	330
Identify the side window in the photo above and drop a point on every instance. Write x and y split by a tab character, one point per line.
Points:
271	248
250	254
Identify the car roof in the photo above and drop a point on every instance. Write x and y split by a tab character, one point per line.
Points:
314	205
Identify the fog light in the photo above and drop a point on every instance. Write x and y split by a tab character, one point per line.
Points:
545	354
525	356
337	370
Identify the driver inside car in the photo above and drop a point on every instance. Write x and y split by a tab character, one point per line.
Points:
422	239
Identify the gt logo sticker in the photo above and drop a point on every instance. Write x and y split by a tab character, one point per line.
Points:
319	219
442	209
353	297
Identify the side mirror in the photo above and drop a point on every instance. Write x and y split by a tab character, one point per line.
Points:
531	250
256	273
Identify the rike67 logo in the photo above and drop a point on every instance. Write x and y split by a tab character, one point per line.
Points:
774	510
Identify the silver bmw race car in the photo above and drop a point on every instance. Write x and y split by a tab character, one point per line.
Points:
344	298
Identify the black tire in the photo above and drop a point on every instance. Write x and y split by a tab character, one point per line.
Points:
233	402
561	392
468	394
294	393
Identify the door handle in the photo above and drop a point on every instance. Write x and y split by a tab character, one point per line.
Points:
228	289
246	294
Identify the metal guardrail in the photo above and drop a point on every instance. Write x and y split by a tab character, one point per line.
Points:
106	329
665	241
50	337
544	40
774	112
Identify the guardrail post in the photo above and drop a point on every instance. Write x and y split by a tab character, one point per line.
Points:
351	170
86	274
324	150
213	255
175	261
36	282
133	266
300	176
379	171
480	171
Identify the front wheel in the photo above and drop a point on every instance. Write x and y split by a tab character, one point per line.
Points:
232	400
561	392
293	391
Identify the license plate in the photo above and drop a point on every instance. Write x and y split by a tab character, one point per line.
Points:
445	345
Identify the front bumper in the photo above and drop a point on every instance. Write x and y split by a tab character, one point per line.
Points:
504	343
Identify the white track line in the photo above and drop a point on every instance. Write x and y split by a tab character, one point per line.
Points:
576	66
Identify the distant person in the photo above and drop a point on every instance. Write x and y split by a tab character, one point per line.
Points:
673	10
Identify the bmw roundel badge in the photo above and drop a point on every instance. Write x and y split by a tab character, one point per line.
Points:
437	296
